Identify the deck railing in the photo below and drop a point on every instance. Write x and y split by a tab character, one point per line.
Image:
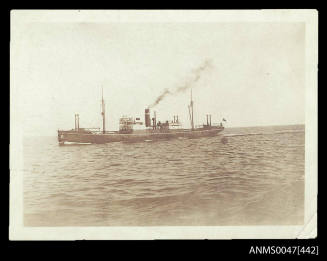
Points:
212	125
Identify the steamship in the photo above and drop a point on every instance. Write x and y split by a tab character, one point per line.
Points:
152	129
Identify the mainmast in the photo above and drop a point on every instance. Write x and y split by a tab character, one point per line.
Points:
103	113
190	108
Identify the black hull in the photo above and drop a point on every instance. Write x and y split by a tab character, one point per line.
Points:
149	135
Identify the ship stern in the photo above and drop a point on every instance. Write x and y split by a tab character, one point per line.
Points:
61	137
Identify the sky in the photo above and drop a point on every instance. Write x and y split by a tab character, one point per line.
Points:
256	75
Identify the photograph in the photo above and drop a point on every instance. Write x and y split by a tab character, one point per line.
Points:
163	124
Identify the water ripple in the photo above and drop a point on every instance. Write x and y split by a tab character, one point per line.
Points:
256	178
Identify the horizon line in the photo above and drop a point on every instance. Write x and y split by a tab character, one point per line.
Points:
255	126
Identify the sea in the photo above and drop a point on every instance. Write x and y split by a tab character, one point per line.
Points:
255	178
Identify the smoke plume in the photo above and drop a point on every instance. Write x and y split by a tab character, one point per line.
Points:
195	77
160	97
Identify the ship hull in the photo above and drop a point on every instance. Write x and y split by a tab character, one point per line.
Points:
149	135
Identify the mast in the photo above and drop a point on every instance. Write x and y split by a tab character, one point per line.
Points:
191	105
190	108
103	113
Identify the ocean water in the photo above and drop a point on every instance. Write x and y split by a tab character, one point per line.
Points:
256	178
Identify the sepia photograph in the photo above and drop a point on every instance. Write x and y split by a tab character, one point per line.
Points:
150	124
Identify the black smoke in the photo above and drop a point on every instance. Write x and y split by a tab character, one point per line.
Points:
195	77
